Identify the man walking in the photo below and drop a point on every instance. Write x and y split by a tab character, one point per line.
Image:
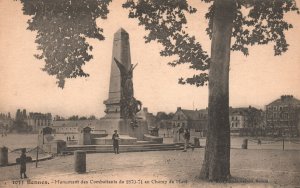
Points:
116	138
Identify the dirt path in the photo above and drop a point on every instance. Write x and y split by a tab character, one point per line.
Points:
166	168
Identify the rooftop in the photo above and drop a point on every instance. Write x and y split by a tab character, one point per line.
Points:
194	114
286	100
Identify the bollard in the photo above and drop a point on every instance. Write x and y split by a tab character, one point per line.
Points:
196	142
3	156
80	161
245	144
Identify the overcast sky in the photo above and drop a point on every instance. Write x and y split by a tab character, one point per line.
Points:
254	80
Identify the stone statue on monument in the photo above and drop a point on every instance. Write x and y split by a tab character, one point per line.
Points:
129	105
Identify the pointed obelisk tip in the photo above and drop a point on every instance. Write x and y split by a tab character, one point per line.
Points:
121	34
121	30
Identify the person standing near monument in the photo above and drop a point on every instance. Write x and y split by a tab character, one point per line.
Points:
23	163
116	138
186	139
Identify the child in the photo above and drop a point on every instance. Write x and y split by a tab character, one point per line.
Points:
23	163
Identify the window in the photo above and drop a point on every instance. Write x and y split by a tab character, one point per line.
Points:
270	115
281	115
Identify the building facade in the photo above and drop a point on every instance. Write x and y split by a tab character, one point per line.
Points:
5	122
147	116
246	121
194	120
283	116
69	130
37	120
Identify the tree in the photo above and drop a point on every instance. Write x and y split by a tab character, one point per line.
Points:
62	28
92	117
229	27
83	118
264	23
73	118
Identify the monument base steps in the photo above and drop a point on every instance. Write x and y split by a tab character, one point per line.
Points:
140	147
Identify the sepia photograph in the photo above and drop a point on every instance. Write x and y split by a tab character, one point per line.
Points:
150	93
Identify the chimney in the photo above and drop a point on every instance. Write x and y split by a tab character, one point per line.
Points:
145	109
286	97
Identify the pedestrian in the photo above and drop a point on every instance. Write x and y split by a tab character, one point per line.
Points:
116	138
186	139
259	142
23	164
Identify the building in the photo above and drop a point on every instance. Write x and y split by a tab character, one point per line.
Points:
32	122
283	116
246	121
165	127
5	122
69	130
194	120
37	120
150	119
147	116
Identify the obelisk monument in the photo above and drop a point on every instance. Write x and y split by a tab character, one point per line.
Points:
121	52
114	119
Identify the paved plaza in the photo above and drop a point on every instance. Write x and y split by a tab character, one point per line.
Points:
258	168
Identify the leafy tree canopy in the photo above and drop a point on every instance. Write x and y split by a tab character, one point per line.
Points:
63	25
256	22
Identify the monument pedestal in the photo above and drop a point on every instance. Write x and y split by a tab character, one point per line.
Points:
124	140
127	133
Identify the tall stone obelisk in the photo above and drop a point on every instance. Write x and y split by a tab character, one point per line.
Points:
114	119
121	51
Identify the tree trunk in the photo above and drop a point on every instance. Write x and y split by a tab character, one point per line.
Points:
216	165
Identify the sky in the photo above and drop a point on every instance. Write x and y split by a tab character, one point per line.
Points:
255	80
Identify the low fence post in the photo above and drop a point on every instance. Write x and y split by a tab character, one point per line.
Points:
245	144
196	142
37	156
3	156
80	161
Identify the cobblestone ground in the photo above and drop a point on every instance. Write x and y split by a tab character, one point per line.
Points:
250	168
